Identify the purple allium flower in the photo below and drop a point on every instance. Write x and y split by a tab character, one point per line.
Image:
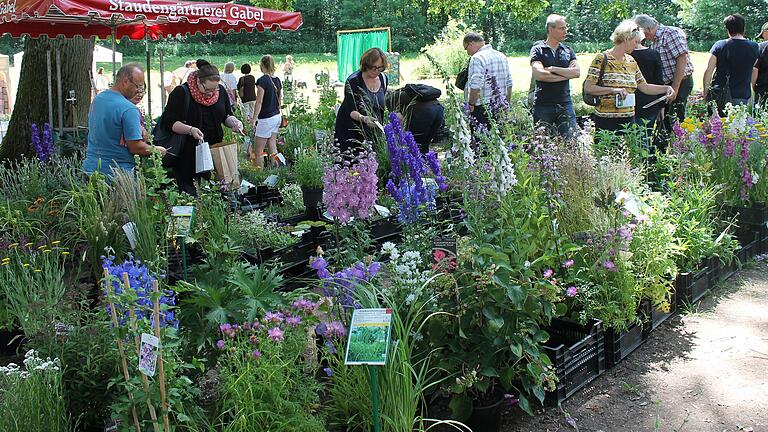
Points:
548	273
609	265
571	291
256	354
275	334
220	344
328	371
568	263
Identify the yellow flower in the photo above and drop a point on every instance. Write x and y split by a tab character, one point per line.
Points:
709	136
65	253
55	242
28	244
41	247
47	250
13	245
38	271
26	265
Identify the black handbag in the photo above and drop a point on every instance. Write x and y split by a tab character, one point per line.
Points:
589	98
462	78
170	140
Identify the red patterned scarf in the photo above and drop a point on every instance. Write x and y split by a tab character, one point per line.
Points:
199	96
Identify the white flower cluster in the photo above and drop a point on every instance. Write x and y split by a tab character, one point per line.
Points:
503	171
462	137
32	364
407	272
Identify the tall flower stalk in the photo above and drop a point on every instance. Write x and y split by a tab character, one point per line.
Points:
350	186
43	148
407	176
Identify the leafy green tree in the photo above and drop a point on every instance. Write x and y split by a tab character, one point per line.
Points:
705	17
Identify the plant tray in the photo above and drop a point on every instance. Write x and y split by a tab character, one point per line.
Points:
578	356
658	316
618	345
691	287
747	252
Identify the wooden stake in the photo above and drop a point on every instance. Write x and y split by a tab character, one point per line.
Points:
123	362
160	367
134	327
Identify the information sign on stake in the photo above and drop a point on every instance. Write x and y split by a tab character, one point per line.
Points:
368	342
148	354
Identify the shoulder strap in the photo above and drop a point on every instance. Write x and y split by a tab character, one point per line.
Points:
602	70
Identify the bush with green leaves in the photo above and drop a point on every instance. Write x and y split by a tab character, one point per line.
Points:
255	232
309	167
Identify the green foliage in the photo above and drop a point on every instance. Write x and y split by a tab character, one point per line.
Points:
705	17
264	386
309	167
254	232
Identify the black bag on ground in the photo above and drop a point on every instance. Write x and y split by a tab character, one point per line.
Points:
423	92
172	141
590	99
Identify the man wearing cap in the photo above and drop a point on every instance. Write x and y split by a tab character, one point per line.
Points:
760	71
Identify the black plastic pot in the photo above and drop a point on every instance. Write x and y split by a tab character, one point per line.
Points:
486	418
313	199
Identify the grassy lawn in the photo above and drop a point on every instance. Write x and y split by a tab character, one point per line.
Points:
307	65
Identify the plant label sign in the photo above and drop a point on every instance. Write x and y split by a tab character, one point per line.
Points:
444	253
368	341
148	354
181	220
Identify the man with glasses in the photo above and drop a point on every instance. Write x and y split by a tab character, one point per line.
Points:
554	65
115	130
485	65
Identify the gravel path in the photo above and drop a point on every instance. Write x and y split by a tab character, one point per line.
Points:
704	370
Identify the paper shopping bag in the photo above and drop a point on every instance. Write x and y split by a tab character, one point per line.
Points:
203	158
225	162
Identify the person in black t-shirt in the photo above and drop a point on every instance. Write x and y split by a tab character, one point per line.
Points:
649	62
553	65
760	71
731	60
267	112
246	89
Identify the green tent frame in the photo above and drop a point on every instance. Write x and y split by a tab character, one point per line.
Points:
351	44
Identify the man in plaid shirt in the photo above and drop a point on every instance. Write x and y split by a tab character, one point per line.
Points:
677	69
485	62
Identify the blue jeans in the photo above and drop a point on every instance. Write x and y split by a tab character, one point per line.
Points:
560	117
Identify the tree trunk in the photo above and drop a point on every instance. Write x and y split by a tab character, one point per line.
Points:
32	96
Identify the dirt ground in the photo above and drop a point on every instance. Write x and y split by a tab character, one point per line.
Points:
704	370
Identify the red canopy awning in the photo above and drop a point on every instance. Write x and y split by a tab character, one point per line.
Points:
131	17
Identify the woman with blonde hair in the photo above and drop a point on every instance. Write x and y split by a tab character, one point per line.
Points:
266	116
620	78
230	81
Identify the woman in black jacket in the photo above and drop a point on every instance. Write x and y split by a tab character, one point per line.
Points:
209	107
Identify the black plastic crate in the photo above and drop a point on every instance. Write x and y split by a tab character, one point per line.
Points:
691	286
747	252
618	345
751	222
658	316
578	356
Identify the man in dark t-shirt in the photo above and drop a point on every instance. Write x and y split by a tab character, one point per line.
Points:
760	71
553	65
732	61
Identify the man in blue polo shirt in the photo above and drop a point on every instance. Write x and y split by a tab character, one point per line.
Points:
553	65
114	125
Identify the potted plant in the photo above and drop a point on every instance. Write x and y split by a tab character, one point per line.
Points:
309	167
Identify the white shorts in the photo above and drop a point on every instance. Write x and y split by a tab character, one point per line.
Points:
268	126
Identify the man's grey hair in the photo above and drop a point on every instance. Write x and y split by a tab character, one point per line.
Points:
553	19
473	37
126	72
645	22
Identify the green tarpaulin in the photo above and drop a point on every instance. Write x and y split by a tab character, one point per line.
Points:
352	45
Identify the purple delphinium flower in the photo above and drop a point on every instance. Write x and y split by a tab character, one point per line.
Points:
275	334
220	344
141	282
350	188
406	183
571	291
